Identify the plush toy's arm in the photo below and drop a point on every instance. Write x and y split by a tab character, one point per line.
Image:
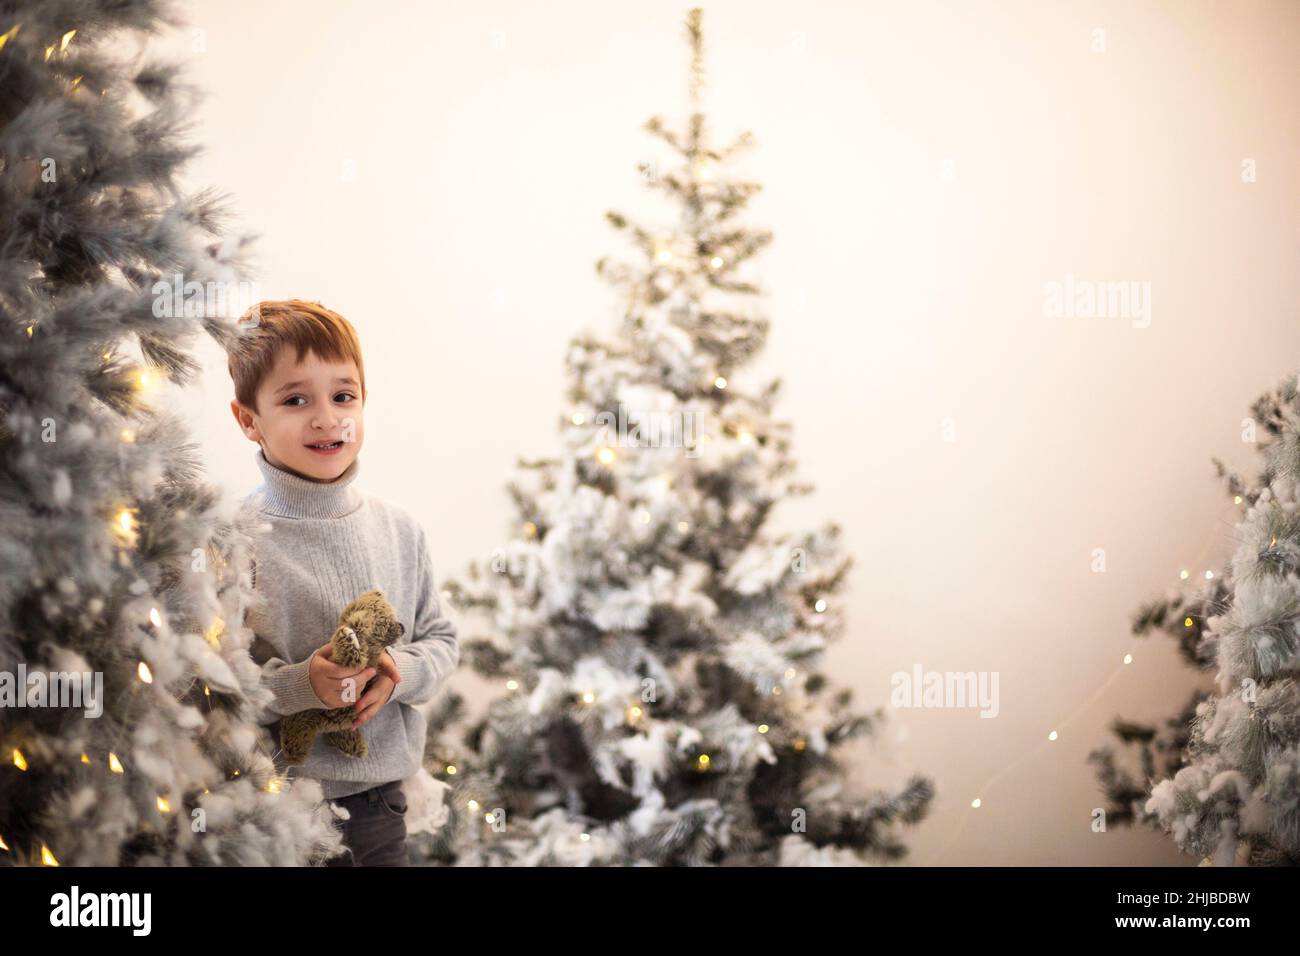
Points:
428	659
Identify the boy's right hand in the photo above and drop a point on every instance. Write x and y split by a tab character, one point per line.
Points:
337	685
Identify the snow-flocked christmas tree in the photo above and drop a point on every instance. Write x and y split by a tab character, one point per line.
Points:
128	733
661	649
1223	777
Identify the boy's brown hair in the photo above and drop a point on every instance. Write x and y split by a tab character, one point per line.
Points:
304	326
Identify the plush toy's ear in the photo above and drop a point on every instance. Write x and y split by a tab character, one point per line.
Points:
351	636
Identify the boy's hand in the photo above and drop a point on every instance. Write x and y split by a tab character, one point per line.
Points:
378	691
337	685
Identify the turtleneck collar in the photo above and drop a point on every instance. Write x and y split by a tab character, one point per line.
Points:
286	495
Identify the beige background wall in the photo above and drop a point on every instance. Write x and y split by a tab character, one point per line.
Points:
438	172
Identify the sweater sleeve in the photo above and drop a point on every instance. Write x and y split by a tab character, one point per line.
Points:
291	686
433	652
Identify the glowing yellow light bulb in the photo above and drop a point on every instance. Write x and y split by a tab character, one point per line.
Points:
114	764
746	437
473	804
154	617
763	728
85	759
715	262
273	785
588	697
719	382
530	529
1187	622
19	760
512	684
128	435
1128	658
144	673
67	38
605	456
585	837
451	770
47	858
975	803
1236	499
820	606
702	760
1209	575
578	418
1183	575
164	806
1052	735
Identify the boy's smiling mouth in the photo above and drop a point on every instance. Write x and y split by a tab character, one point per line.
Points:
326	447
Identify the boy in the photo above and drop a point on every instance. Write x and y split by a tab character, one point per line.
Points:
300	389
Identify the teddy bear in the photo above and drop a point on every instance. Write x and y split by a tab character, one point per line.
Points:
366	628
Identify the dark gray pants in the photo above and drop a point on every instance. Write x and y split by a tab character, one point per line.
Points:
375	831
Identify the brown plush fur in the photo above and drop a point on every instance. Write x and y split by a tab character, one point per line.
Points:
366	627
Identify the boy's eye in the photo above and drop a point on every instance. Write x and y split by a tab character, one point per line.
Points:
292	398
344	395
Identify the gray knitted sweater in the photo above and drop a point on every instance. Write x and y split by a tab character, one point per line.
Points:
326	544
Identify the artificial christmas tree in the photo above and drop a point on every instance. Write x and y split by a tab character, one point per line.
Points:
1223	777
661	649
128	732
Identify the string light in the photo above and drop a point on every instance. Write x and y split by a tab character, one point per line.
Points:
975	803
128	435
125	528
1210	574
715	263
746	437
114	764
820	606
1128	658
702	761
3	845
473	804
683	526
1183	574
47	858
67	38
85	758
144	673
1052	735
585	837
512	684
763	728
530	529
588	697
154	617
273	785
578	418
164	805
9	35
19	760
605	456
719	382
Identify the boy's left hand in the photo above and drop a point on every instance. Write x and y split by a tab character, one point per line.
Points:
378	691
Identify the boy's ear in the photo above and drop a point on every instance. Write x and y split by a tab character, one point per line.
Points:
247	423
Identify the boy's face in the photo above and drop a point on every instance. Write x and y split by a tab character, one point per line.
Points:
308	418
